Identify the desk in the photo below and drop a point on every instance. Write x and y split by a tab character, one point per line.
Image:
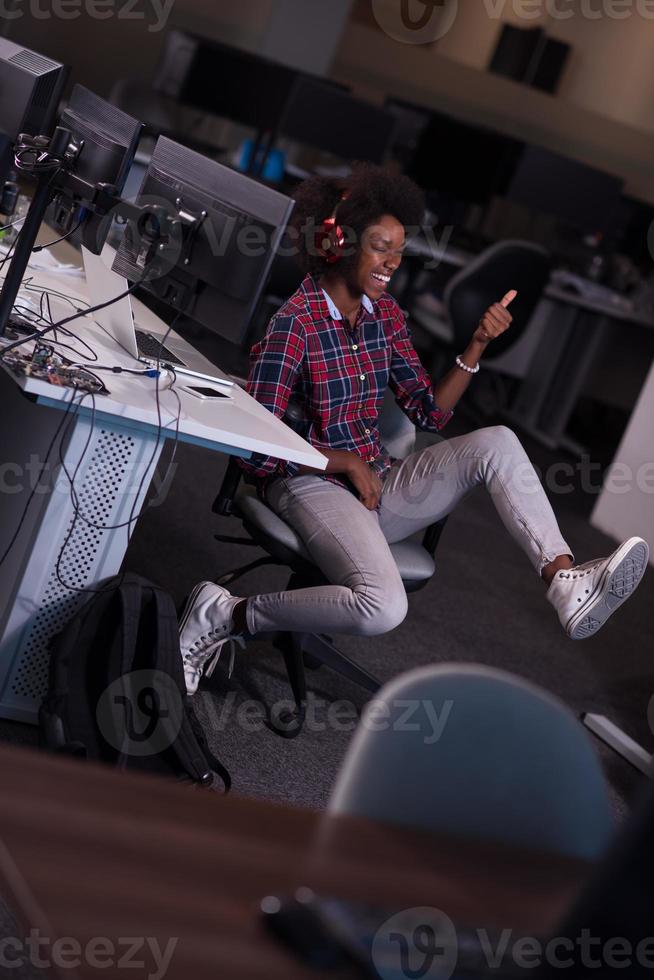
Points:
571	337
115	451
108	854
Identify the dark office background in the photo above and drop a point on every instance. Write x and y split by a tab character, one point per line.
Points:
588	106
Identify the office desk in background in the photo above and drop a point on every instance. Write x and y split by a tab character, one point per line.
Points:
109	854
111	448
569	330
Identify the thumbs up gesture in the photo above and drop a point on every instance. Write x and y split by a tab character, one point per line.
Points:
495	320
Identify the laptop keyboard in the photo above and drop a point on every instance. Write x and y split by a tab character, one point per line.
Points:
151	347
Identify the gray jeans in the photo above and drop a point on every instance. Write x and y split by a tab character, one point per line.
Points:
350	544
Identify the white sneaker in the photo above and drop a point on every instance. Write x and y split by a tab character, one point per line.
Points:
586	595
204	628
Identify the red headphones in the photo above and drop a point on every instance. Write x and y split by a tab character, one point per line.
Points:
330	238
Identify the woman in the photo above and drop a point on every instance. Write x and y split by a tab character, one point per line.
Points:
335	346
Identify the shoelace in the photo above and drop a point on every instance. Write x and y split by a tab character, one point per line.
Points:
199	660
581	570
234	639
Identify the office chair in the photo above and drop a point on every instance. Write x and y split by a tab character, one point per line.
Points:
266	530
510	264
494	758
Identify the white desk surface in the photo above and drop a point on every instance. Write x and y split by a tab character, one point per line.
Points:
241	423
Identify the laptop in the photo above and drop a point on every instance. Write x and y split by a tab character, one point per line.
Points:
117	320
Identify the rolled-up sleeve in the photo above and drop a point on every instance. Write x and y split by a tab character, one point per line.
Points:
275	364
410	382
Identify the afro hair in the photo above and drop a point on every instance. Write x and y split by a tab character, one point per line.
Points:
359	201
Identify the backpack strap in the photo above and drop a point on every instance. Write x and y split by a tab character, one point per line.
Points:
190	745
130	597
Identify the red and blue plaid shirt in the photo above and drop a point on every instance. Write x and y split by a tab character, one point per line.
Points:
337	376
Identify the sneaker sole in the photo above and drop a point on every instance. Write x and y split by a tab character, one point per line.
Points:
620	579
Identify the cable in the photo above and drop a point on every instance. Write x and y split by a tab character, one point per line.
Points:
10	250
27	313
34	287
37	335
22	227
78	515
116	369
38	480
13	223
39	248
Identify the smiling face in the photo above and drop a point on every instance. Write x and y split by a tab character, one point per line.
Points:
382	247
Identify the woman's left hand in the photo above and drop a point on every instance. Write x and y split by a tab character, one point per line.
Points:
495	320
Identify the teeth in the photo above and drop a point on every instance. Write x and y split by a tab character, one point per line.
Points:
381	278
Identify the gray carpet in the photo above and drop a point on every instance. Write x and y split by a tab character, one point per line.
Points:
484	604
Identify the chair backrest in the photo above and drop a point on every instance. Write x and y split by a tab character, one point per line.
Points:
510	264
478	752
396	430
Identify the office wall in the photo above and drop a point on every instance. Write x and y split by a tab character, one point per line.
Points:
102	50
376	65
302	33
610	70
625	505
305	33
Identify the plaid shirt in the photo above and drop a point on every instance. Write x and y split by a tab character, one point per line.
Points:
337	375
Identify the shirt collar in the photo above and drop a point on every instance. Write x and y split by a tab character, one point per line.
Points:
334	311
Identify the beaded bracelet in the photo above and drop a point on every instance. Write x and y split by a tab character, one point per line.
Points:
464	367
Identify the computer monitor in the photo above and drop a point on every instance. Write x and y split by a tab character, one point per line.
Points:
30	90
81	174
222	234
462	161
323	116
410	123
224	80
107	139
580	196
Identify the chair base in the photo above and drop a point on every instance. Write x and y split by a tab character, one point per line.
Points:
313	650
619	741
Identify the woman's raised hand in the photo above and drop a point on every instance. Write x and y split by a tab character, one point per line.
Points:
495	320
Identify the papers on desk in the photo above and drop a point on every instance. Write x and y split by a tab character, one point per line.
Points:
46	262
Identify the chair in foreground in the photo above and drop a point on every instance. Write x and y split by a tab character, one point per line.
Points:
415	560
473	751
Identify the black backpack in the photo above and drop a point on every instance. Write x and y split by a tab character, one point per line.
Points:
116	689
